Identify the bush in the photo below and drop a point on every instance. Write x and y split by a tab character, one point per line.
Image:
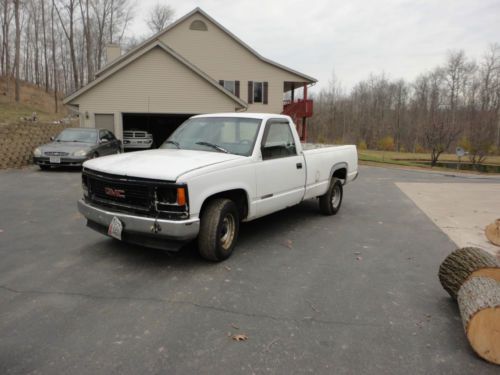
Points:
419	149
386	143
362	145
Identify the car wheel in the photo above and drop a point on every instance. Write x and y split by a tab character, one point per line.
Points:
329	203
219	228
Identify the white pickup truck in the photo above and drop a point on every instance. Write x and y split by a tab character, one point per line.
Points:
212	173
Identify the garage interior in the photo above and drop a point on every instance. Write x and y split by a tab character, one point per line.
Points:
159	125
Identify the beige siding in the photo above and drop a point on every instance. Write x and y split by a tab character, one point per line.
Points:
221	57
154	83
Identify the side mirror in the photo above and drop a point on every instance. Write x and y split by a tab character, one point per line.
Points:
103	140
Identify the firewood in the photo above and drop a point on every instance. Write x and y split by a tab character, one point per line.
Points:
479	303
465	263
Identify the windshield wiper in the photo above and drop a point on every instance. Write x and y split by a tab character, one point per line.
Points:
213	145
174	143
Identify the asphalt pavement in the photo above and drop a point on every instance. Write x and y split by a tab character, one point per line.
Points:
356	293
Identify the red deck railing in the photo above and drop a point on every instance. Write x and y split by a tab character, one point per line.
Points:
298	108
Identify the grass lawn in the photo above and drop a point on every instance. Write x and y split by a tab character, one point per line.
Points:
411	159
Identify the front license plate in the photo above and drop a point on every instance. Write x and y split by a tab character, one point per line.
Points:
55	159
115	228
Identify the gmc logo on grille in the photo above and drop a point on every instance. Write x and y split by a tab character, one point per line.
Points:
117	193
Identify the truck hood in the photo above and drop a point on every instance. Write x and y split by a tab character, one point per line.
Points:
164	164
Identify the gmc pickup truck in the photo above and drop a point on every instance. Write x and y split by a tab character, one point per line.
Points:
212	173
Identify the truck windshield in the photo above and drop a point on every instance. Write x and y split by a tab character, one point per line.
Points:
234	135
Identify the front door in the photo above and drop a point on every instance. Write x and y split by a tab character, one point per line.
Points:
281	173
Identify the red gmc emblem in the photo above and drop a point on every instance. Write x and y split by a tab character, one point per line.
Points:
117	193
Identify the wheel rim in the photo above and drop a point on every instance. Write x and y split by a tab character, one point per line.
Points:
336	195
227	231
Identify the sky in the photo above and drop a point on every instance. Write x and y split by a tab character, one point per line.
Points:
351	39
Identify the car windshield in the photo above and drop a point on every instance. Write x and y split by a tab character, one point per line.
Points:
234	135
77	135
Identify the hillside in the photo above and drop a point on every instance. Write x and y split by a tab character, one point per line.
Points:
18	135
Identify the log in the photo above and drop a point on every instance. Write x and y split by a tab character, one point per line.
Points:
479	303
465	263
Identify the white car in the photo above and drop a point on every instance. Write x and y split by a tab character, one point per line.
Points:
137	139
214	172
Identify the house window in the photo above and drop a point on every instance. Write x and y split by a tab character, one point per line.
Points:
232	86
198	25
257	92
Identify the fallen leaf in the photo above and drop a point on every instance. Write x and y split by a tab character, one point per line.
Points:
239	337
357	253
359	258
288	243
227	268
1	230
234	326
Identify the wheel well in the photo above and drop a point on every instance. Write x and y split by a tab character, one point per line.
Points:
340	173
238	196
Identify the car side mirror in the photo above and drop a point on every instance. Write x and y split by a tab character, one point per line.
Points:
103	140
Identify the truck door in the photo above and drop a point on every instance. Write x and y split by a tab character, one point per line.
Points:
281	173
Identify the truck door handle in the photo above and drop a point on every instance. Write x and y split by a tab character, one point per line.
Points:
299	165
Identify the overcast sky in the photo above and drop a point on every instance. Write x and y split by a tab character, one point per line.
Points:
352	38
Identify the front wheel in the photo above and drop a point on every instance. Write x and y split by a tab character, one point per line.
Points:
329	203
219	228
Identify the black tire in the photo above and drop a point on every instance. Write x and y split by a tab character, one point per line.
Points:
44	167
330	202
219	228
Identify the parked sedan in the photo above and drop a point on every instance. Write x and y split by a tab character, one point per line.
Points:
75	145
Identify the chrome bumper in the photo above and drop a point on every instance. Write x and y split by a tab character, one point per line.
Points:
135	227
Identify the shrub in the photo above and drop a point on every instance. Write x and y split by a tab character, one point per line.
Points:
362	145
386	143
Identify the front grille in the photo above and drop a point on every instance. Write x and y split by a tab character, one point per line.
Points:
134	134
120	193
56	153
129	194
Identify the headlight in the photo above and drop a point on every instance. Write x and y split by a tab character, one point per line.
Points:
37	152
80	153
172	201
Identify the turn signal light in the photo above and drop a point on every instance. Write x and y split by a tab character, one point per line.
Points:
181	196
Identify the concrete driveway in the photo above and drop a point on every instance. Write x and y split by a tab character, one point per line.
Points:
350	294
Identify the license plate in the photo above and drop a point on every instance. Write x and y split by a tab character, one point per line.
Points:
115	228
55	159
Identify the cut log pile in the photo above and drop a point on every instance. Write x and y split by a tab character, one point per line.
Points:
17	142
472	277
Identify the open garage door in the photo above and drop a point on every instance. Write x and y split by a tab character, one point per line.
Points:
140	128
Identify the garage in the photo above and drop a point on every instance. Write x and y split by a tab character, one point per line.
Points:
138	126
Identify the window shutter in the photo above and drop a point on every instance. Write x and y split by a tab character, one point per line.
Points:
237	88
250	92
221	82
264	94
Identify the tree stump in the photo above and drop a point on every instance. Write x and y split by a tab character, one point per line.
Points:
465	263
479	303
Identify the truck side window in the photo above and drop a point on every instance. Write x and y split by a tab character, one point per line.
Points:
278	141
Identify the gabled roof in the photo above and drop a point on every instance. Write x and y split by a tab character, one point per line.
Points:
131	57
229	33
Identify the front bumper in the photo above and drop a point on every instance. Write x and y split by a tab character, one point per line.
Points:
65	161
169	234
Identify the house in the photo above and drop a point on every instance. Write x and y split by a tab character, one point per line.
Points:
193	66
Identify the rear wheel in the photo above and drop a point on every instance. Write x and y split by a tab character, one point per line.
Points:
219	228
329	203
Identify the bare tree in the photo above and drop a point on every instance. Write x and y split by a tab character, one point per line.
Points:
159	17
18	48
69	32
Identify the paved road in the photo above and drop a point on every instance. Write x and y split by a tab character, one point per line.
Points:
351	294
